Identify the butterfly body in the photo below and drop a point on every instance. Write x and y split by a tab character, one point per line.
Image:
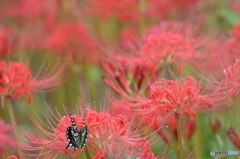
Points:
76	138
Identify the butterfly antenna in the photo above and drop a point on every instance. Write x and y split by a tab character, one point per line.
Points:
70	115
83	119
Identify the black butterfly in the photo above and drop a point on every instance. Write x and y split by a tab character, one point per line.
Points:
76	138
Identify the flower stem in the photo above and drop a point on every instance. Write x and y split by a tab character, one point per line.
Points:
88	154
179	136
14	124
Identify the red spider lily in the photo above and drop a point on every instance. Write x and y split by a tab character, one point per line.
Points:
6	141
127	10
128	72
172	96
72	38
162	46
233	137
16	80
108	137
178	96
230	86
168	48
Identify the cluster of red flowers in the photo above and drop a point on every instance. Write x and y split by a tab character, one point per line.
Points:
109	136
151	52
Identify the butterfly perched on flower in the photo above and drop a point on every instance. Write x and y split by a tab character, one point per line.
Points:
77	138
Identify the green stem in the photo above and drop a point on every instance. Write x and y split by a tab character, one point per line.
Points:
14	124
179	135
88	154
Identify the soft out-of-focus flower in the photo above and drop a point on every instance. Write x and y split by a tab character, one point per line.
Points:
32	11
235	6
236	31
108	137
6	141
233	137
178	28
70	38
162	47
6	43
117	108
168	48
230	86
125	73
164	8
16	80
129	40
233	44
12	157
127	10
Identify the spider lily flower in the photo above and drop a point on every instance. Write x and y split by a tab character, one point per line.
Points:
16	80
160	50
127	73
230	85
177	96
6	141
108	137
72	38
180	97
168	48
233	137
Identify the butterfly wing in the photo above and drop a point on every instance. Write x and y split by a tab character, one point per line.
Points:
83	135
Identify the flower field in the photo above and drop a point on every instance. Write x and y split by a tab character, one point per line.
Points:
130	79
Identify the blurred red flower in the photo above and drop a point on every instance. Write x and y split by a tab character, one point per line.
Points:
30	11
230	86
12	157
236	31
6	42
16	80
127	10
167	8
168	48
70	38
